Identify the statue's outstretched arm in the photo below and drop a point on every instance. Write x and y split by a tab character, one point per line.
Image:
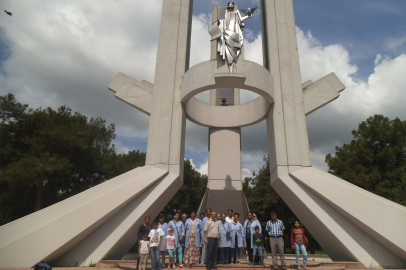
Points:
244	18
214	30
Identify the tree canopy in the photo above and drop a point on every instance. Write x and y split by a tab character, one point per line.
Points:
190	195
263	199
376	159
49	155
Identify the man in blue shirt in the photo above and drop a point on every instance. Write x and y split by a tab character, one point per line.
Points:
275	229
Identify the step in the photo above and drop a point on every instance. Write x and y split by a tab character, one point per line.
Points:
291	264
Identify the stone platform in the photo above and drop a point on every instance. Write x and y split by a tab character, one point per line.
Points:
314	262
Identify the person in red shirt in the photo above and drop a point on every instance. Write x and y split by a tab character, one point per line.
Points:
298	241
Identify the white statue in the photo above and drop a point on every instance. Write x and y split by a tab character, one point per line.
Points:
228	33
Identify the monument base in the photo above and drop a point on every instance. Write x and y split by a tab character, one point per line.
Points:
222	200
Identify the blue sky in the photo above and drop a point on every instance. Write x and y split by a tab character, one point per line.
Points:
55	53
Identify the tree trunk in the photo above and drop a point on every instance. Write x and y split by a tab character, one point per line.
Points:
39	192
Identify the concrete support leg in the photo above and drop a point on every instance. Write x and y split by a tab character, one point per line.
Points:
350	223
74	223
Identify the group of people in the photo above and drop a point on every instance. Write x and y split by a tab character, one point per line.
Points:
214	239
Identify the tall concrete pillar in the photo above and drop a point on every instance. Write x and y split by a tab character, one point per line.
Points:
224	187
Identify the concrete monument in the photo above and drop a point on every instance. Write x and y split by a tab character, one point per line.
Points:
351	224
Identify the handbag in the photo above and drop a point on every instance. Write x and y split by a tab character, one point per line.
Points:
228	234
179	240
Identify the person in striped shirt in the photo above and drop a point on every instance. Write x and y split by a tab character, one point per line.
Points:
298	241
275	229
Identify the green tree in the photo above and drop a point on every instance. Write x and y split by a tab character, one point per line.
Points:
56	151
124	162
189	196
376	159
263	199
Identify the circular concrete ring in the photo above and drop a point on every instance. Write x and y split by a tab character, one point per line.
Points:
227	116
250	76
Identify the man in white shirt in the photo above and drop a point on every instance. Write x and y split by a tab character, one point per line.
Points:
230	217
155	236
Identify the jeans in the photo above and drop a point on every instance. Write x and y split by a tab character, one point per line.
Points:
224	254
155	262
303	249
211	252
235	254
258	251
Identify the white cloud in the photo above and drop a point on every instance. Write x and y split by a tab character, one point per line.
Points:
120	148
246	173
203	169
66	53
200	40
382	93
394	44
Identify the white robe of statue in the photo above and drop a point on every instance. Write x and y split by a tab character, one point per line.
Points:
228	32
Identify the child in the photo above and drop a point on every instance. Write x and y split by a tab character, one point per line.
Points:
258	240
155	236
170	246
143	251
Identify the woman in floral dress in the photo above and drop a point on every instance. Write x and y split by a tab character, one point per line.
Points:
193	229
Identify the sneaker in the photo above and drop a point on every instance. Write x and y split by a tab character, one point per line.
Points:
238	262
181	266
173	267
300	268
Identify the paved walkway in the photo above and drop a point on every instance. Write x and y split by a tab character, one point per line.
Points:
315	262
319	262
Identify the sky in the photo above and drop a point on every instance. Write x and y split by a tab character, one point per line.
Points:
55	53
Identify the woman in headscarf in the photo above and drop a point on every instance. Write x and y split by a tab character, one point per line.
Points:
237	240
249	230
193	229
179	233
225	239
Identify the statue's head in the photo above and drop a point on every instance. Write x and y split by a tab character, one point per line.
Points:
230	5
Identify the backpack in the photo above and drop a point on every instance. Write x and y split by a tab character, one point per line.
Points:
42	266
